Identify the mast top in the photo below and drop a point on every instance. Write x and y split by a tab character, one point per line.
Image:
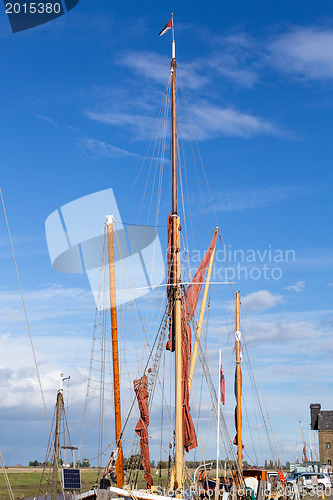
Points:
109	219
167	27
173	52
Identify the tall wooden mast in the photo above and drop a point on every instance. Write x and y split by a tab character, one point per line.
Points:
109	220
239	388
175	276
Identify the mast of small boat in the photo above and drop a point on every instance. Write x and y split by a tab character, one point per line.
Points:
59	407
175	276
109	220
239	389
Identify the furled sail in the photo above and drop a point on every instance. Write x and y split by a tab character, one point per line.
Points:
235	441
171	272
141	391
189	303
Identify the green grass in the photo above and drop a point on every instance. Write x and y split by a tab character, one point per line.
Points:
26	483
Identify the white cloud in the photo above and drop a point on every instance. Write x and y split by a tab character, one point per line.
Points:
305	52
99	149
227	67
298	287
141	126
291	447
271	327
260	301
308	258
43	303
208	121
47	119
277	331
234	59
214	121
232	199
54	354
156	67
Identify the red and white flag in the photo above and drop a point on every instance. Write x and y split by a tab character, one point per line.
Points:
167	27
222	386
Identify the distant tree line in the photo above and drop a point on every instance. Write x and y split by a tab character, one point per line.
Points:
35	463
83	463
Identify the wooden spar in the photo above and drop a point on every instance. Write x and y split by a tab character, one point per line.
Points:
174	138
239	388
201	317
177	469
176	295
217	488
179	452
115	357
59	407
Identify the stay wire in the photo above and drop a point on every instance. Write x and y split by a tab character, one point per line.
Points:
26	316
251	373
142	164
9	488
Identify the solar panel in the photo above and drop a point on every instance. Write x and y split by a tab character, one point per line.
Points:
71	479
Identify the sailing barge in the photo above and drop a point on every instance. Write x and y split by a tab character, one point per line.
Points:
181	305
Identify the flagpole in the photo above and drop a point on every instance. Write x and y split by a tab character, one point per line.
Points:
173	39
217	485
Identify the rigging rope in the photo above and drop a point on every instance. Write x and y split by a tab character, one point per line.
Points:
153	185
9	488
251	373
26	316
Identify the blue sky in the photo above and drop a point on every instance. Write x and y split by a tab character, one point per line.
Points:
79	99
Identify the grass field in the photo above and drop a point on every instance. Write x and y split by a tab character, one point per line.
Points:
26	481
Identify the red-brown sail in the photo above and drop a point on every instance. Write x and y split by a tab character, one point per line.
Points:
191	296
141	391
189	303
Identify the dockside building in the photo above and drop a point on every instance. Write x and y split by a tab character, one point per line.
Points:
322	421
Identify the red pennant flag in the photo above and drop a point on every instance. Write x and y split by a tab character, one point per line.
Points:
167	27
